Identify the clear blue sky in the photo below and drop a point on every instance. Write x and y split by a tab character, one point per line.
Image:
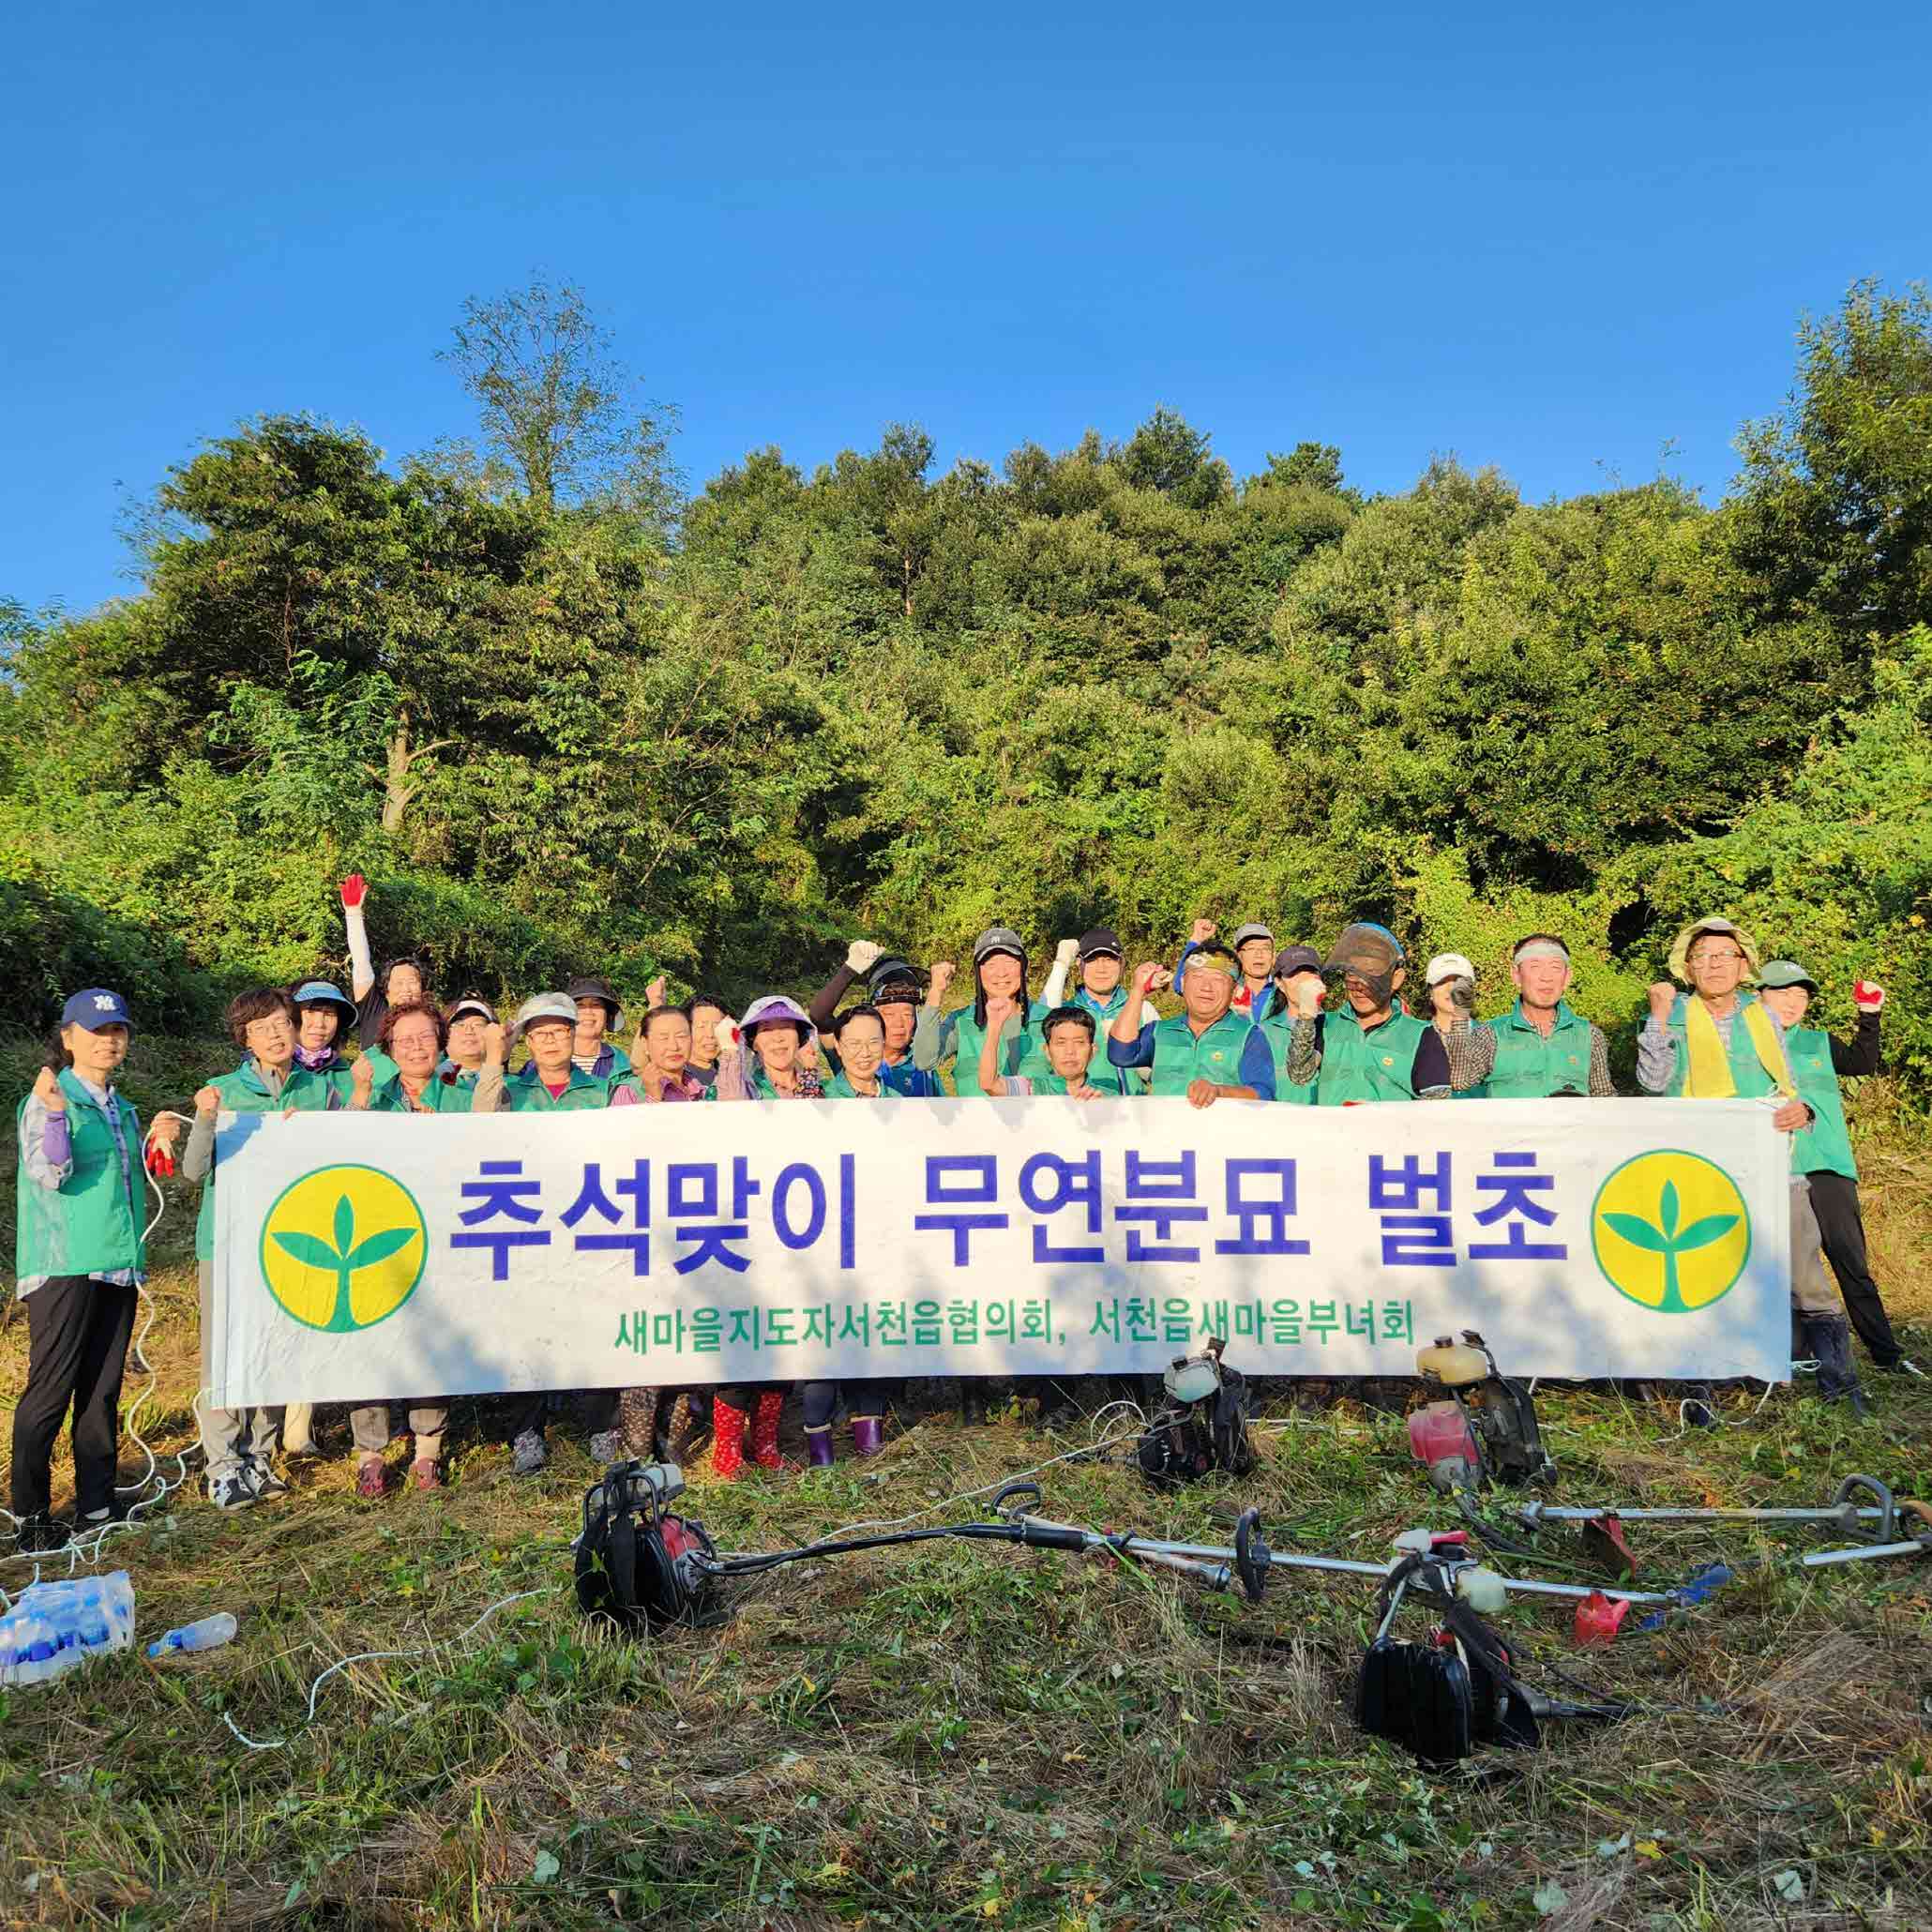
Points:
1554	242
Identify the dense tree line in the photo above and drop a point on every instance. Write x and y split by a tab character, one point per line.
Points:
566	720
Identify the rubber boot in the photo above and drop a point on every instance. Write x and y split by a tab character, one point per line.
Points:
684	1429
764	1429
818	1443
1829	1338
298	1429
637	1422
727	1442
971	1402
868	1433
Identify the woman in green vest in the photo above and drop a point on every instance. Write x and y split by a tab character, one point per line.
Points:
413	1037
81	1256
1000	1002
1364	1049
1822	1151
1291	964
240	1445
1718	1042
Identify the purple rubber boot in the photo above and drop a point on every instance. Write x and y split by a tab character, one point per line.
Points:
819	1442
866	1433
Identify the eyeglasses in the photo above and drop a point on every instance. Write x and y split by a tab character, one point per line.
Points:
1714	956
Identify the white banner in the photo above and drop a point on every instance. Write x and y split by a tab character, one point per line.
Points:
361	1257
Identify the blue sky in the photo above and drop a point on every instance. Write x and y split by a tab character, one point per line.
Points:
1560	243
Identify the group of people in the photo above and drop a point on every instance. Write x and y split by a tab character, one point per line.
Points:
1257	1022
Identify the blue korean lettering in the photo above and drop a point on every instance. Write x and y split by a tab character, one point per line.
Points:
1514	1185
499	1191
1154	1188
1047	1184
1410	1239
591	1200
692	1203
1263	1222
962	1179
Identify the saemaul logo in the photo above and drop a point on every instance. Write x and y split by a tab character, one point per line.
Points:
1671	1232
344	1247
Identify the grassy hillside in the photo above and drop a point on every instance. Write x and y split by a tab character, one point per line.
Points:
944	1736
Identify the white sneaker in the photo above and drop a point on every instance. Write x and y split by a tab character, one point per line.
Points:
232	1491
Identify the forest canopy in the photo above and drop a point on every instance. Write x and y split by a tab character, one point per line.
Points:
568	717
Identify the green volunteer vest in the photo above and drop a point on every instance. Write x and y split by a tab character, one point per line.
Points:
242	1093
839	1087
1378	1065
528	1093
1021	1054
1180	1057
1528	1067
1747	1071
1278	1028
436	1097
91	1224
1825	1146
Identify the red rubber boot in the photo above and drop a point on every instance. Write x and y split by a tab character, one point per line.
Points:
727	1442
764	1429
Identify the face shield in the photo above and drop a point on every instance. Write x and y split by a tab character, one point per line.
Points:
1369	953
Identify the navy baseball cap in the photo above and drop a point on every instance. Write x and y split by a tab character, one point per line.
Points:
96	1007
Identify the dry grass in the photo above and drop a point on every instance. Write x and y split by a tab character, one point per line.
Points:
952	1736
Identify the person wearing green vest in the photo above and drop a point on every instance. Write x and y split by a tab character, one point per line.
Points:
1000	1002
1364	1049
466	1023
1069	1037
1541	1049
1822	1151
81	1257
323	1017
1717	1042
599	1015
551	1081
240	1445
1277	1020
1206	1053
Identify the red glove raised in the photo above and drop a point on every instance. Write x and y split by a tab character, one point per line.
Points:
354	889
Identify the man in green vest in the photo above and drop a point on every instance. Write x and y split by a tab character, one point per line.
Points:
1822	1151
1541	1048
1718	1042
1364	1048
1207	1052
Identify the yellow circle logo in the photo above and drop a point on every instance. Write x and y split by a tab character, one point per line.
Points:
1670	1232
344	1247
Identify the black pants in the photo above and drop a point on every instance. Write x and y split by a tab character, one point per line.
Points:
599	1408
78	1331
1835	1200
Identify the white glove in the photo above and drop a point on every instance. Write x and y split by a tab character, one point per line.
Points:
730	1038
861	956
1067	952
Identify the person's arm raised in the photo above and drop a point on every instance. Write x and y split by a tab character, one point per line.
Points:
362	967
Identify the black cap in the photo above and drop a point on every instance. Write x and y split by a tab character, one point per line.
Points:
587	985
1293	959
889	969
1102	942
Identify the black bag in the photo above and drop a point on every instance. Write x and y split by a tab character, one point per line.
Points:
1202	1425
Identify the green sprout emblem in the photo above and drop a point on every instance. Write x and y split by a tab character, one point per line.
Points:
1669	1240
346	1258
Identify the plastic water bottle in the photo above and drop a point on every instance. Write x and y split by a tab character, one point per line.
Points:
55	1627
207	1635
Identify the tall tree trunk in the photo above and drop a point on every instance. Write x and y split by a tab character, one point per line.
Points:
396	789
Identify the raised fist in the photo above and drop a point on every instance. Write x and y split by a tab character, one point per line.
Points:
207	1102
494	1043
47	1091
354	890
862	955
362	1077
654	993
1867	995
1305	996
1067	952
944	972
1204	931
1663	996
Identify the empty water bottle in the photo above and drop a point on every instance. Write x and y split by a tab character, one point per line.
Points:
207	1635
